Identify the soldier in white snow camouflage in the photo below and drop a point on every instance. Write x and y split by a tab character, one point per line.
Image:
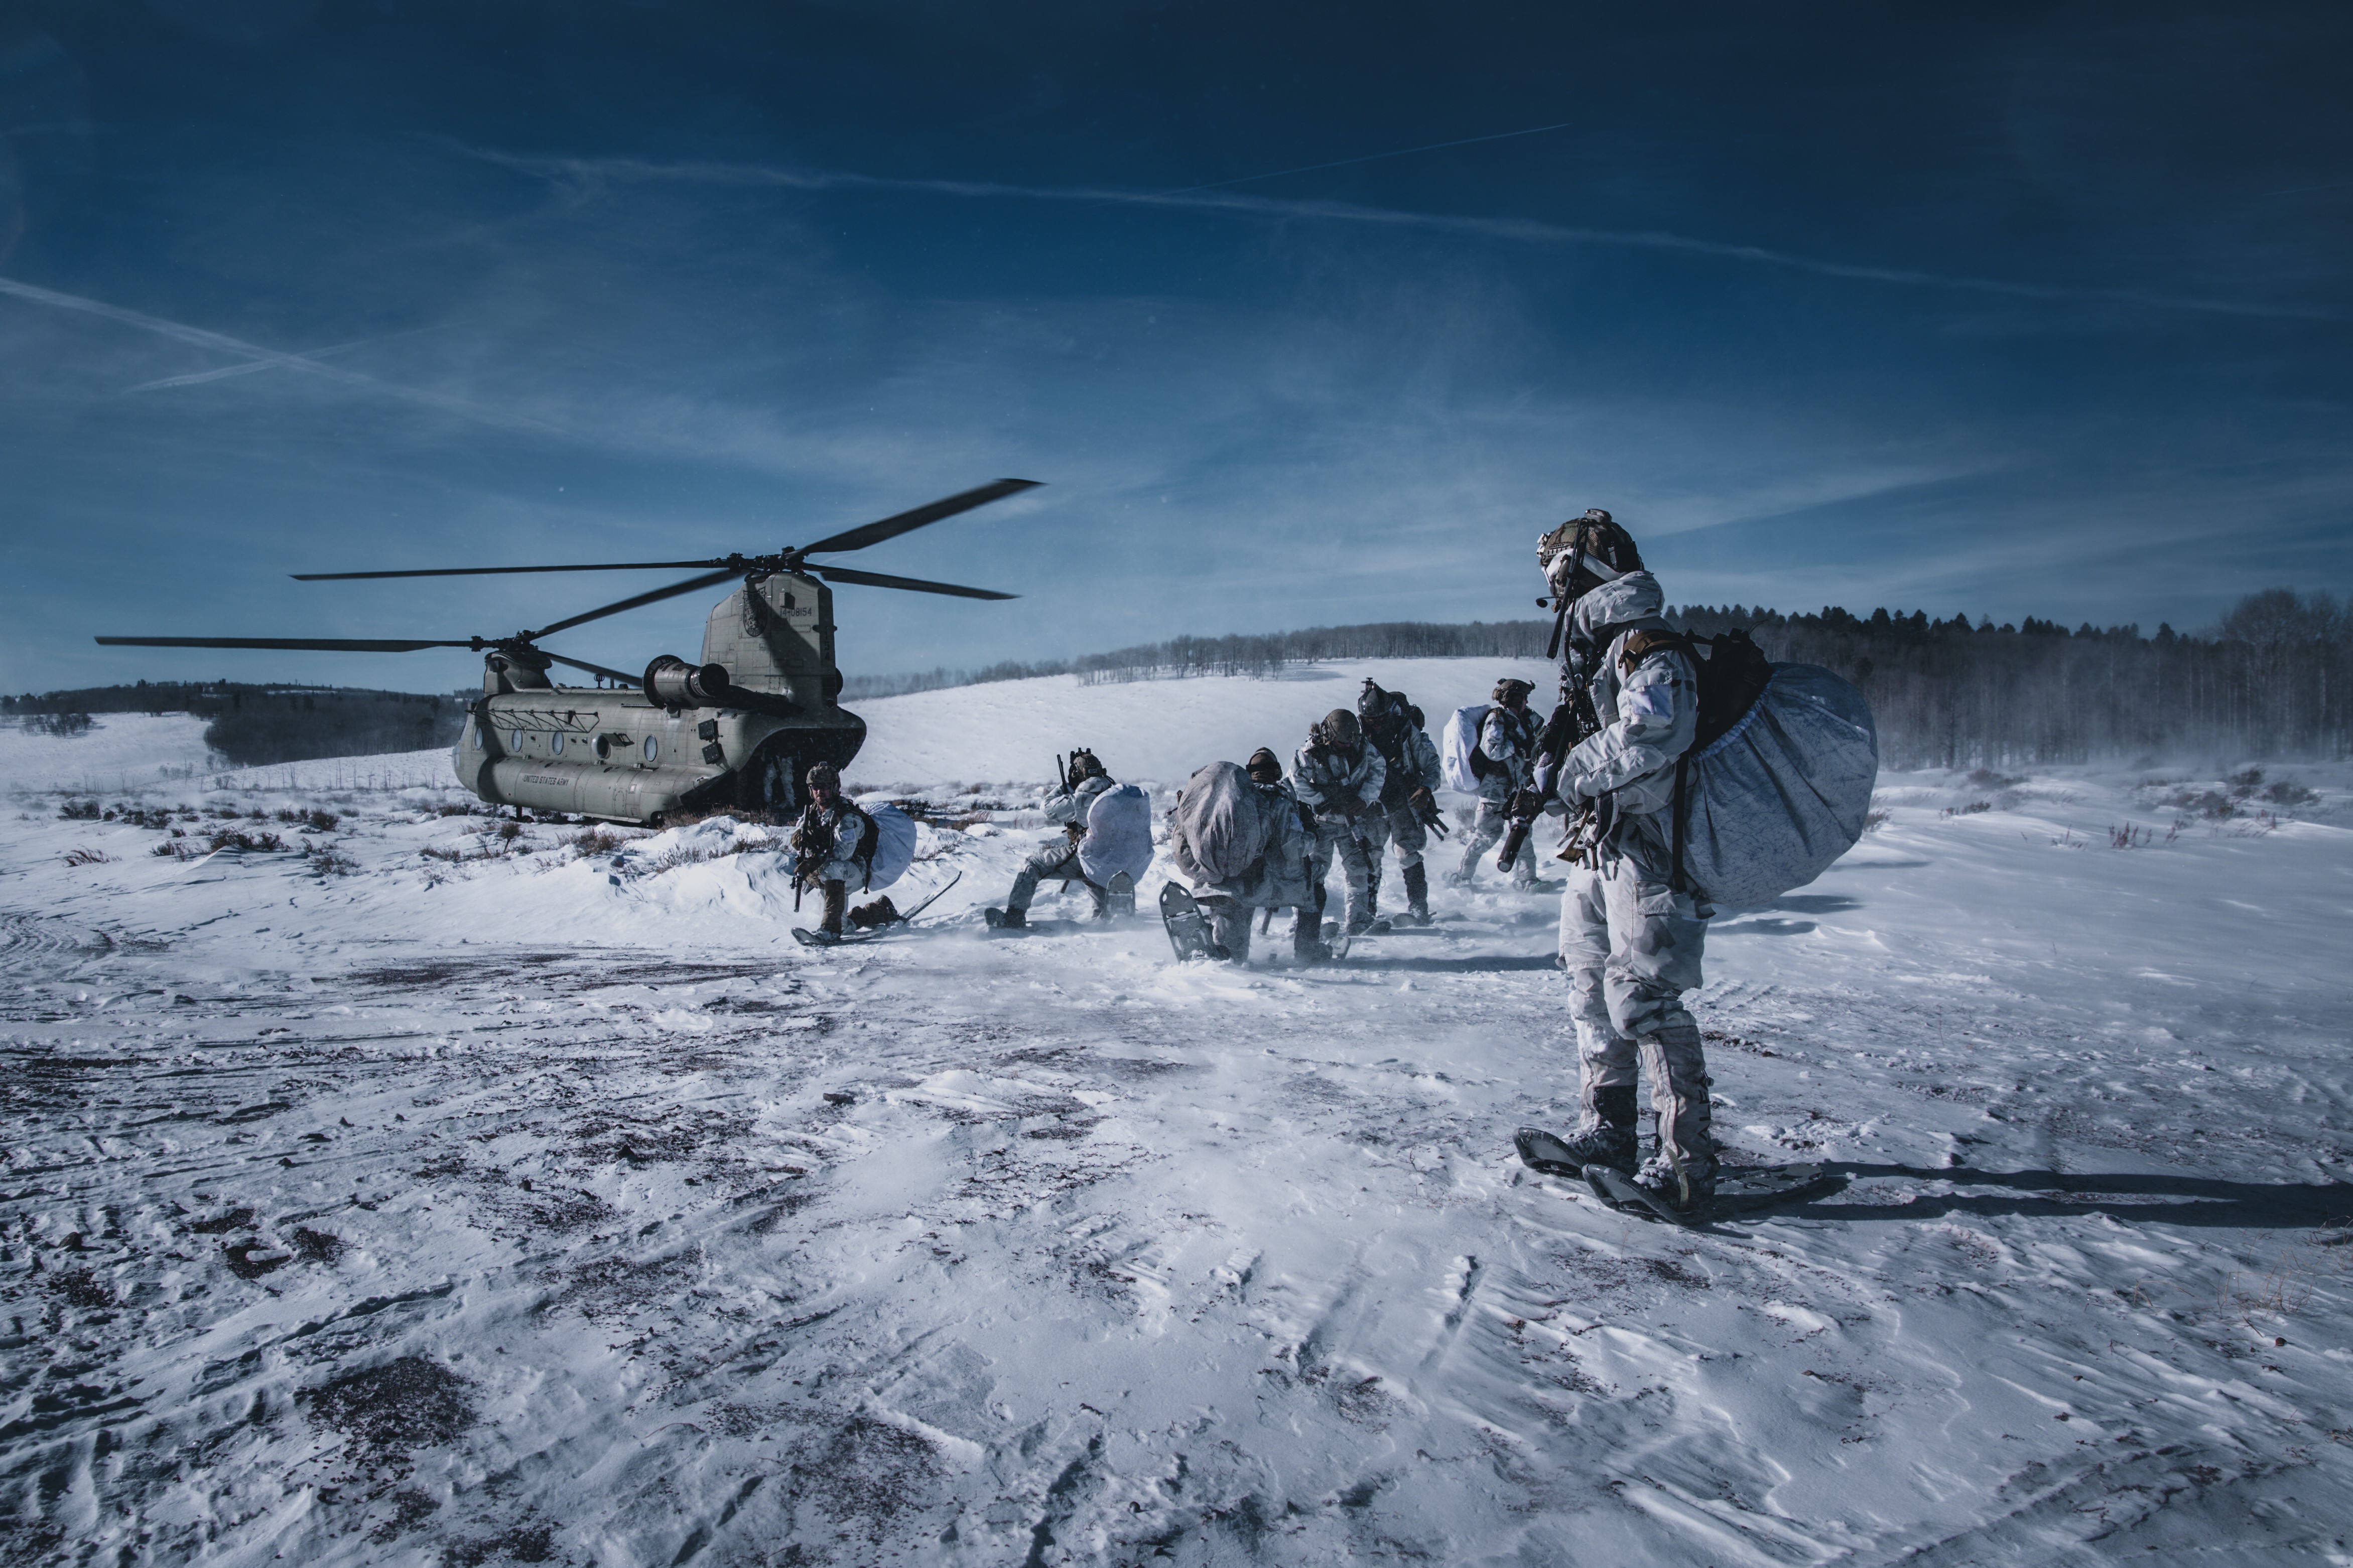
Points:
1057	859
1337	777
1505	753
1630	941
1410	775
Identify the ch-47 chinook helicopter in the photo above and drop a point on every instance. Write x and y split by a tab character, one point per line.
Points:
740	730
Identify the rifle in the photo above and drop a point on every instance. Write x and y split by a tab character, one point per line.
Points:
815	847
1570	725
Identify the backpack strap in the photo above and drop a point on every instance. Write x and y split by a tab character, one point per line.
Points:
873	841
1647	640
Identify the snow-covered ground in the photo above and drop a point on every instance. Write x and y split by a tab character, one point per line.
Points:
435	1197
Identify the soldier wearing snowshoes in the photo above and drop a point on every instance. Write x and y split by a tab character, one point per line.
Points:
1083	781
1630	937
1283	873
1507	741
1409	807
834	843
1338	778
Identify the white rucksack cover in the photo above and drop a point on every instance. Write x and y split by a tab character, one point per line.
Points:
1119	835
1455	769
894	846
1782	794
1220	826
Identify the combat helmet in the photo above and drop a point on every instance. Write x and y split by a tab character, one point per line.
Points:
1338	731
1585	553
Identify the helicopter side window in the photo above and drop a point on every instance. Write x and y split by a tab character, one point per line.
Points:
653	748
514	740
556	744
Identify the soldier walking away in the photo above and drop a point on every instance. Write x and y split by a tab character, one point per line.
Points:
1630	937
1409	808
1057	861
835	841
1337	777
1505	753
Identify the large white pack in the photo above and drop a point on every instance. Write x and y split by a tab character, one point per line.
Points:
1457	770
1219	830
895	846
1119	835
1773	801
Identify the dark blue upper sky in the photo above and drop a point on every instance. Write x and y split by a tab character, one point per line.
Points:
2010	309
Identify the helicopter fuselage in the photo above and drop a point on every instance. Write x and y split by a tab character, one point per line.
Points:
740	732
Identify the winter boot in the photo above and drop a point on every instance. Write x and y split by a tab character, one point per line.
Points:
1005	920
836	901
1307	939
1417	895
1607	1138
881	913
1681	1185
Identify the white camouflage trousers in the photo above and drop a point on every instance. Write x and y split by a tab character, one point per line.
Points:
1055	862
1357	865
1631	945
1495	817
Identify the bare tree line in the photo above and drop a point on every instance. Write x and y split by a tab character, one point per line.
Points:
2272	678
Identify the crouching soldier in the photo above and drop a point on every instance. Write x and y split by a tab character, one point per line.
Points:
835	844
1630	939
1057	859
1279	880
1409	809
1337	778
1505	753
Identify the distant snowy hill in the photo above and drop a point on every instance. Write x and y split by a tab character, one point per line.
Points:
121	751
1147	730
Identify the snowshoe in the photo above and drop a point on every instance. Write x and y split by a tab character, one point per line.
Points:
1596	1148
1189	933
896	919
1122	902
1739	1189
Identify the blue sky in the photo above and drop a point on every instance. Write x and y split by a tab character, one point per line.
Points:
2029	309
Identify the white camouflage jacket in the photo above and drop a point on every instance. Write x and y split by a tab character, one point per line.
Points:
1649	714
1326	781
1508	740
1416	768
1071	805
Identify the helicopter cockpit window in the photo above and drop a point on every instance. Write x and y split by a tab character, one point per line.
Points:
514	740
556	744
653	748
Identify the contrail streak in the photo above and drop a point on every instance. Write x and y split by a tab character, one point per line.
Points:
250	366
1526	231
203	337
1372	158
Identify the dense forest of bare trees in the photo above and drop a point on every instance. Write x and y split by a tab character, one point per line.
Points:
251	725
2273	678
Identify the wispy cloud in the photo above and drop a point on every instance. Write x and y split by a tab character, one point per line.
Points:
256	357
1524	231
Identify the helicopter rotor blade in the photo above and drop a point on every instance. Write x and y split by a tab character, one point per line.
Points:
614	675
500	571
906	522
883	580
299	645
708	579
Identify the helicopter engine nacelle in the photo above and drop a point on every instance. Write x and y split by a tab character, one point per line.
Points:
672	682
